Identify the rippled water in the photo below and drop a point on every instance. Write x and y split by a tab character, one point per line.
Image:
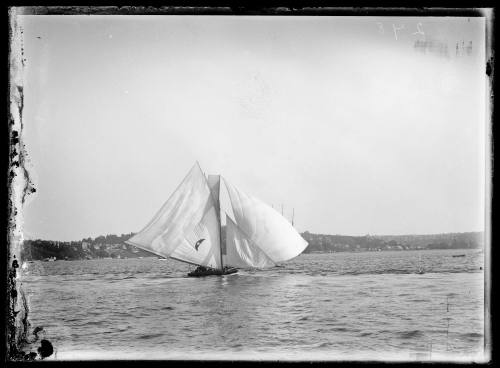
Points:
370	305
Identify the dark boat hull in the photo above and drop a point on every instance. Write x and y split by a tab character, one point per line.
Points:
212	272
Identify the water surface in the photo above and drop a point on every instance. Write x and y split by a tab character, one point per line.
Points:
369	305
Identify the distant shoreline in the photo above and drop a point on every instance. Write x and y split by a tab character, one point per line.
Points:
114	246
313	252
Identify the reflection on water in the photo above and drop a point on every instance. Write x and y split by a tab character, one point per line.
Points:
328	304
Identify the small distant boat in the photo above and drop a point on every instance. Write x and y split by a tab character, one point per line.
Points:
188	229
459	255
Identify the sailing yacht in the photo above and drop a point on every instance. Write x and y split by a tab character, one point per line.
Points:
188	228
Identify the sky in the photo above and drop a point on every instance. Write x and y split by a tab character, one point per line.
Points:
360	125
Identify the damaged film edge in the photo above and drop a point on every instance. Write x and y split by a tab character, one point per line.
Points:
19	336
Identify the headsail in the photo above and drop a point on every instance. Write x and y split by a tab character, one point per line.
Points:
241	252
264	226
187	217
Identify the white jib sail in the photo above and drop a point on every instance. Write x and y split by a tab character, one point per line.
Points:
265	227
240	250
187	226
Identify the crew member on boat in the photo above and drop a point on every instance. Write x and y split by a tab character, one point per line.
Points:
200	269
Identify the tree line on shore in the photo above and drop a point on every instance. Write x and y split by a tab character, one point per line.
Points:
104	246
342	243
114	246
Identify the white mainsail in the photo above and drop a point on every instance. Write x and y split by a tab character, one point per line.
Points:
241	252
264	227
187	226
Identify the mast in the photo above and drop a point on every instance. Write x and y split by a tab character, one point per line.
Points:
293	214
220	224
215	193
